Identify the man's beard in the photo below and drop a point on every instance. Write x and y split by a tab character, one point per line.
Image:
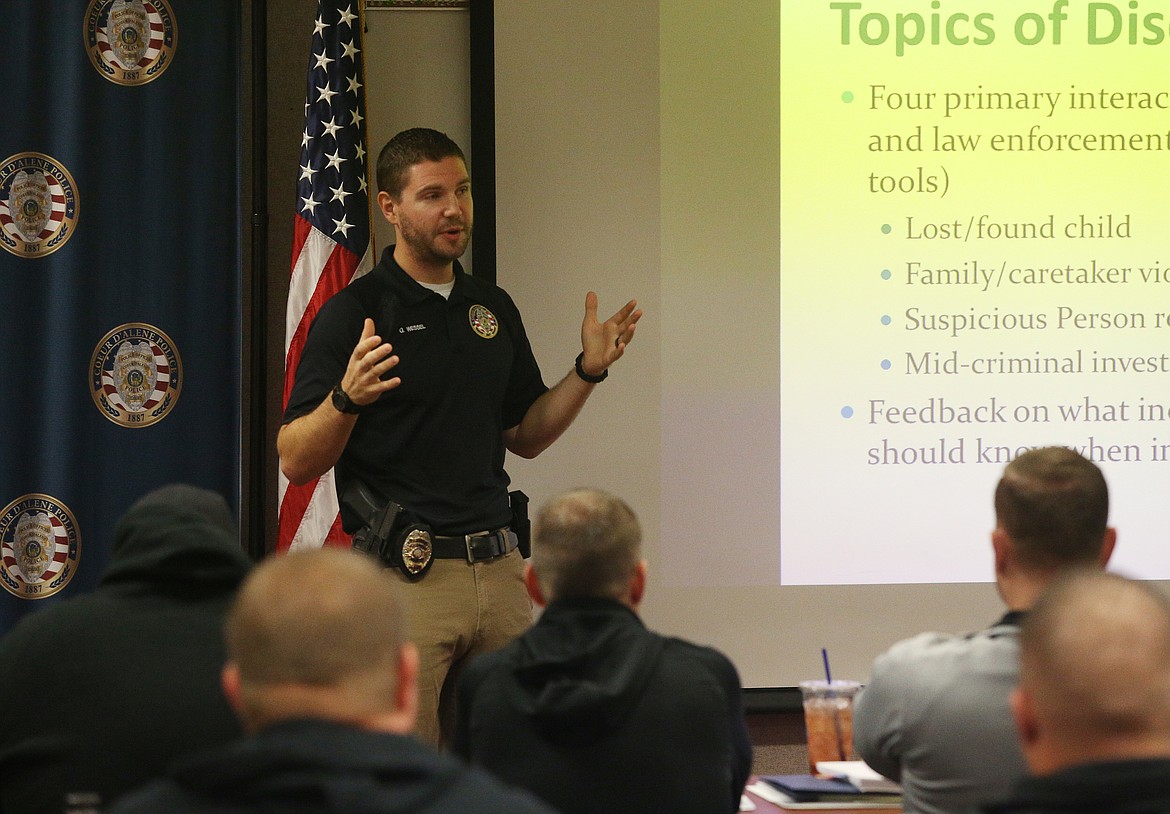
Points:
433	247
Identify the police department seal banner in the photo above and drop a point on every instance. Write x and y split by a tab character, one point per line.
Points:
39	546
483	321
130	42
135	375
38	205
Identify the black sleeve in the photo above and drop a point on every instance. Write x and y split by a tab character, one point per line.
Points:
331	340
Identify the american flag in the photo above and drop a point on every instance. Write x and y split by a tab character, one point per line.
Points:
331	242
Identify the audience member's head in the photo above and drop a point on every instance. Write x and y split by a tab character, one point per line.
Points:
178	534
1094	673
1052	510
1054	505
587	543
320	634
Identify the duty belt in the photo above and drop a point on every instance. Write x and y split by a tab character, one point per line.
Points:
483	545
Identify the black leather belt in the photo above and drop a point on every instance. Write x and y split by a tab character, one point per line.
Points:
483	545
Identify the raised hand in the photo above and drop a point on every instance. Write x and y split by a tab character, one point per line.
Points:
371	358
604	342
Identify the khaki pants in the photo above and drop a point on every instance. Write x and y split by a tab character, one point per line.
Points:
455	612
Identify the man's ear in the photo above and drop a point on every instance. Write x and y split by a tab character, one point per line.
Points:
387	205
1024	715
406	695
1107	544
638	583
229	681
533	586
1001	544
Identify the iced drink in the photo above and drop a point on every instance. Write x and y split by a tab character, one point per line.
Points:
828	720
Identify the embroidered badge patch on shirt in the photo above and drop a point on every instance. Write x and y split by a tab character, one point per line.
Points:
483	321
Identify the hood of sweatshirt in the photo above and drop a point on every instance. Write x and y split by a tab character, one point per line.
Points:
317	765
583	667
174	537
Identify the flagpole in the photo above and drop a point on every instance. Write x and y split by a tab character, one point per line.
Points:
371	159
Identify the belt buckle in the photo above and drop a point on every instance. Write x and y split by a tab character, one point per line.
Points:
472	557
486	538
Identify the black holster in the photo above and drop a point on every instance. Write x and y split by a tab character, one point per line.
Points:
520	523
390	531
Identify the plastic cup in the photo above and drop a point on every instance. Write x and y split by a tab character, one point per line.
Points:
828	720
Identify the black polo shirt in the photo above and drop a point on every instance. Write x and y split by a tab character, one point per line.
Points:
435	443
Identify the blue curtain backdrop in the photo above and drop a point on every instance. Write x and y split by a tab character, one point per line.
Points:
120	276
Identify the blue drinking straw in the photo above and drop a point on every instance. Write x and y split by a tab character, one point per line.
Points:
836	712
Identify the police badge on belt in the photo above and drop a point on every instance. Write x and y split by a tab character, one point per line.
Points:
391	533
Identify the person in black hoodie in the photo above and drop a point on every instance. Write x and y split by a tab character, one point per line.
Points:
591	710
1093	703
322	676
100	692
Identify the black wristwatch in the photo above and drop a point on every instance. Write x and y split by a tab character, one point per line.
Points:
343	403
588	377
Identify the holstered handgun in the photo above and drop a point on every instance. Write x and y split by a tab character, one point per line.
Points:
390	532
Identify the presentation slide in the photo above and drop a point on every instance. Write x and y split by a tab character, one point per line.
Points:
897	242
970	260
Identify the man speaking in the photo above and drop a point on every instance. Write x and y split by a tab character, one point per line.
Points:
414	380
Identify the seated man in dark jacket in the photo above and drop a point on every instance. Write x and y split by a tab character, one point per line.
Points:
323	678
591	710
100	692
1093	704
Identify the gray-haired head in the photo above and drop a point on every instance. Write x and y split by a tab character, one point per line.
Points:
586	543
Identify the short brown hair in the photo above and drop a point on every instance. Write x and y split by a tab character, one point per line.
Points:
1054	504
408	148
321	618
586	543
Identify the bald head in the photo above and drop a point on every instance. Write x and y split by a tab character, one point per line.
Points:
317	633
586	543
1095	672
